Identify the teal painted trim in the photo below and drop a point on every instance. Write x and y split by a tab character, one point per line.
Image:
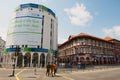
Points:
27	50
52	51
44	8
24	33
5	50
32	5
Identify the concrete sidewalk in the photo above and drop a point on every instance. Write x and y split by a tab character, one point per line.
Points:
28	74
40	74
5	73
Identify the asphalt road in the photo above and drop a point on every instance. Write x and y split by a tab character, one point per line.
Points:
89	74
97	74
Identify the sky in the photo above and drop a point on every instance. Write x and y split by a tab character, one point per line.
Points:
98	18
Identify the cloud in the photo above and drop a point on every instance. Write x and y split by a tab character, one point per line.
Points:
78	15
114	31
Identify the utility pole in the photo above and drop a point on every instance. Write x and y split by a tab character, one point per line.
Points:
17	49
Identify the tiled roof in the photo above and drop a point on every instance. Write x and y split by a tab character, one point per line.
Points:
87	35
71	37
108	38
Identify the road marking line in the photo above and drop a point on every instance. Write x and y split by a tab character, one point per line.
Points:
66	77
16	75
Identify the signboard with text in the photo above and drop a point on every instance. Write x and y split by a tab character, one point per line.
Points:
25	28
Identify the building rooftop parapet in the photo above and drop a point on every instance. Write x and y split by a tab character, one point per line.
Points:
32	5
84	35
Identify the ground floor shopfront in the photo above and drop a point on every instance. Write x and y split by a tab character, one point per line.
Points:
88	59
29	59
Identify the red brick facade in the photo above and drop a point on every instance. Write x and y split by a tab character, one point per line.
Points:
89	50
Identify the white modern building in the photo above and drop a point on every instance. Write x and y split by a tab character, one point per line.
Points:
32	33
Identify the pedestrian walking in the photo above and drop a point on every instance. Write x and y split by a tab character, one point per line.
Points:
55	68
52	69
48	67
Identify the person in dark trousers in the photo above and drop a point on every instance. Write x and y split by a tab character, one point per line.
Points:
48	67
52	69
55	68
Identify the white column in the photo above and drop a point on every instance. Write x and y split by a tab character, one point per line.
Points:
45	58
31	60
39	59
16	57
11	61
23	59
4	60
7	60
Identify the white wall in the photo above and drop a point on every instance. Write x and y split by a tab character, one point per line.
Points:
46	29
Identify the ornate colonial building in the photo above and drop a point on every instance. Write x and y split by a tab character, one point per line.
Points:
89	50
116	47
32	36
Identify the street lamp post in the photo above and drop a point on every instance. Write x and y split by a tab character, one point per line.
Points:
14	60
